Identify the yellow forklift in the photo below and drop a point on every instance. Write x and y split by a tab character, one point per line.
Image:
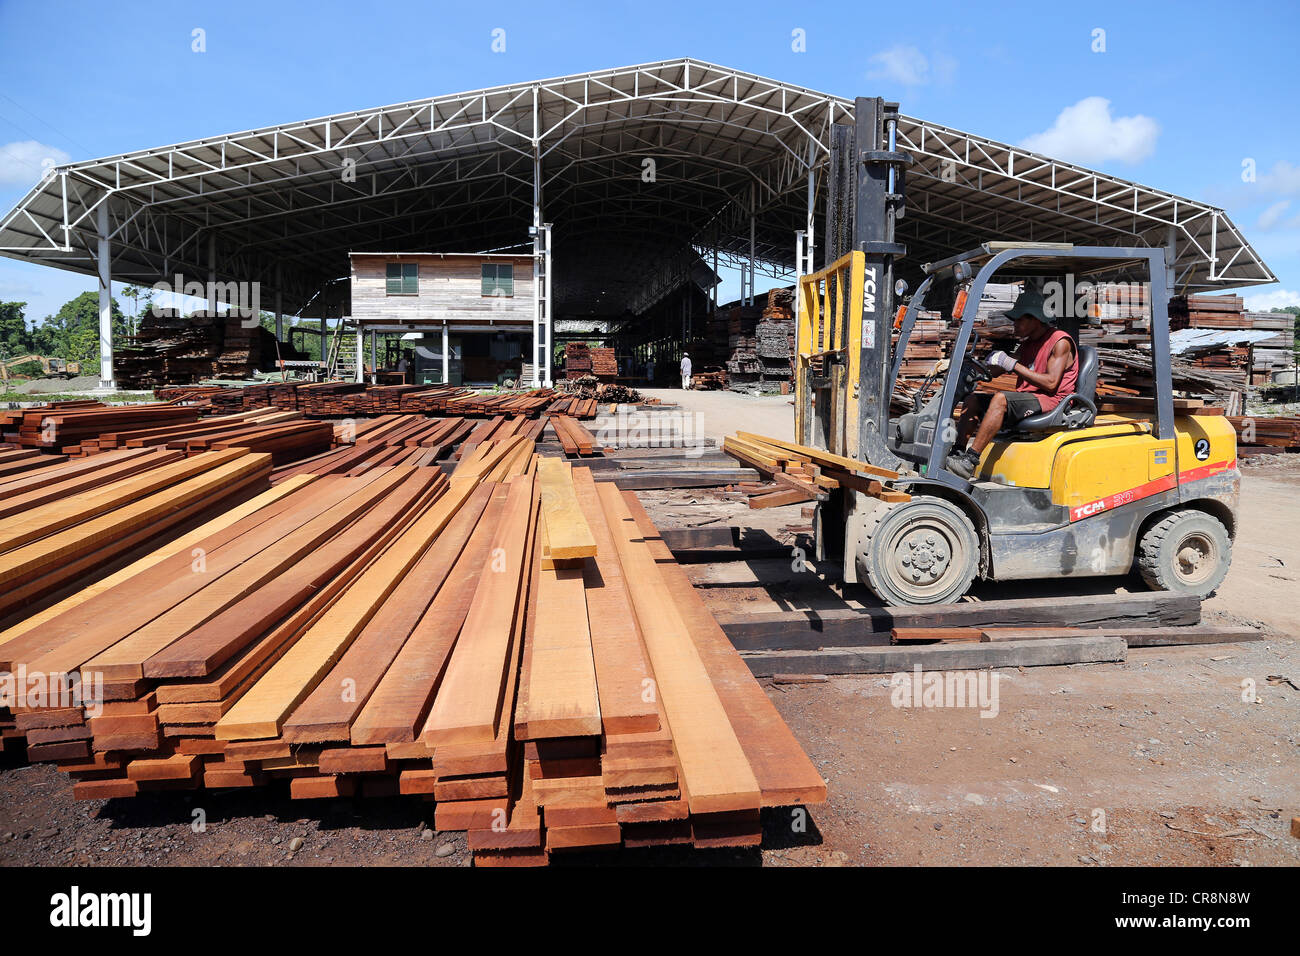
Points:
1067	493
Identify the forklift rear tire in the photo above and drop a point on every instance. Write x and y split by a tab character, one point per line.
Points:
1186	551
923	551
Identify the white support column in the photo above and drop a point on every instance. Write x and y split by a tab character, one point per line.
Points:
102	250
1171	255
809	238
360	355
446	355
800	268
374	358
549	324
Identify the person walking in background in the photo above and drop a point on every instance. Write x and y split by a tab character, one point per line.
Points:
686	370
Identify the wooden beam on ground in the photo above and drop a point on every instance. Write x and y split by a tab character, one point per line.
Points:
1092	648
845	627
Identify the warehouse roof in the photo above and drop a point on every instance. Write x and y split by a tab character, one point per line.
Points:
641	168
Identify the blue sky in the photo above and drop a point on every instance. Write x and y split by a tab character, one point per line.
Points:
1183	94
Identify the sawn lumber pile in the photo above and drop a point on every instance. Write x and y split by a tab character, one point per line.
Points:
63	524
1280	433
513	642
64	426
802	473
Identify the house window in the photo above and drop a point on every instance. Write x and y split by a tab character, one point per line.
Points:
403	278
498	279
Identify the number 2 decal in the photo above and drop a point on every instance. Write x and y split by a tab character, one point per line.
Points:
1202	449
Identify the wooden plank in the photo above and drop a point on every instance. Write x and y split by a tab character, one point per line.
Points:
400	703
228	585
562	699
784	773
210	645
468	705
261	711
1134	636
328	712
715	772
567	533
623	673
267	503
817	455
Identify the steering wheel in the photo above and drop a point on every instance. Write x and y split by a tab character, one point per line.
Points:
973	371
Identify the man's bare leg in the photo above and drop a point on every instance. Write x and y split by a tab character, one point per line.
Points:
991	422
970	419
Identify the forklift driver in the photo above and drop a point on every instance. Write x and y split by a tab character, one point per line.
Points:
1047	367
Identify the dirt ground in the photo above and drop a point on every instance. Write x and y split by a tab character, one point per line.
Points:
1179	756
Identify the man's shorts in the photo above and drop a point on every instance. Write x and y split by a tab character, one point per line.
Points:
1020	405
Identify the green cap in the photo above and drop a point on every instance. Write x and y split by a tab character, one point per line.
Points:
1030	303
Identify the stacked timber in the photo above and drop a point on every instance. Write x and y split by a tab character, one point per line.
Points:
603	363
1266	435
77	518
11	419
577	360
333	399
576	441
483	640
64	427
574	407
799	473
178	350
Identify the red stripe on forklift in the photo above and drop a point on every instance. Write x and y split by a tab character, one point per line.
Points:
1080	512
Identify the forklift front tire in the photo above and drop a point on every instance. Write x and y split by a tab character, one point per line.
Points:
1186	551
923	551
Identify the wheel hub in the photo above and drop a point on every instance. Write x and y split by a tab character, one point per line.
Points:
923	555
1195	558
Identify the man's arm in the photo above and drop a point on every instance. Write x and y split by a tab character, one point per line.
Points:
1047	382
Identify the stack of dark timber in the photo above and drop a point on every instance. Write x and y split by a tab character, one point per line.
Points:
774	337
12	419
603	363
800	473
332	398
64	427
577	360
286	436
1266	436
178	350
573	407
513	642
600	392
974	635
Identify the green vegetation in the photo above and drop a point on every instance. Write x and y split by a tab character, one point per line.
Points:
72	334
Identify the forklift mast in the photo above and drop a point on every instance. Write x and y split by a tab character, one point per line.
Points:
843	402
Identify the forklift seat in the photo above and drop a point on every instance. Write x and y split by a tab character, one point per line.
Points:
1076	410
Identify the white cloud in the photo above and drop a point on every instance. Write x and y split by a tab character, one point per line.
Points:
1273	214
1282	180
22	163
908	66
1266	301
1087	133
